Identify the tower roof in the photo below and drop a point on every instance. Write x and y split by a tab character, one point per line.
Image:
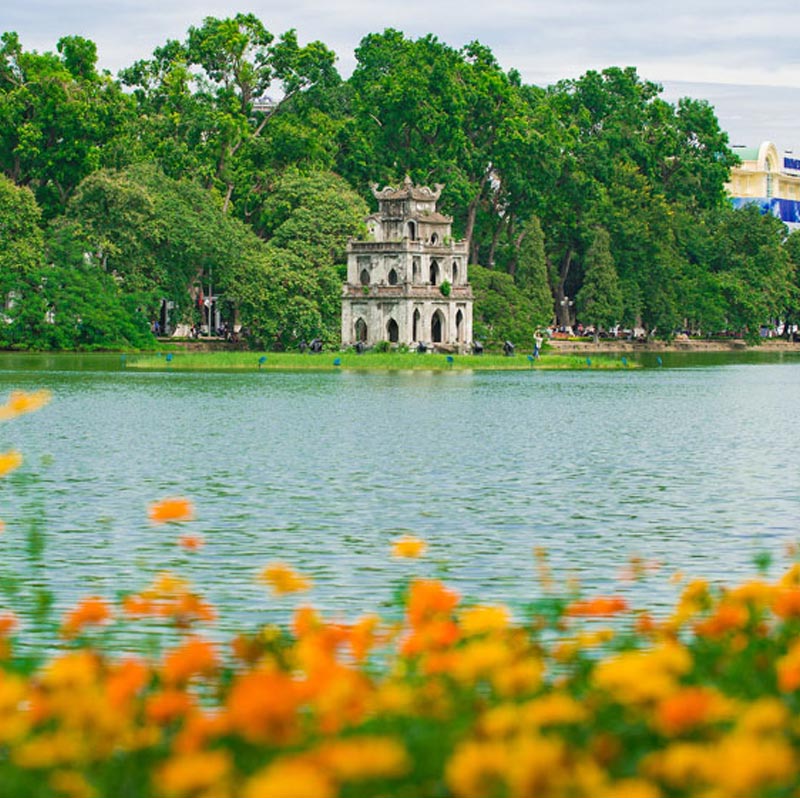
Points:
407	191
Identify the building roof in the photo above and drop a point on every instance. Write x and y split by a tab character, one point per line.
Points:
408	191
746	153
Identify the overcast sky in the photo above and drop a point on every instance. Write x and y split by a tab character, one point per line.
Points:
743	57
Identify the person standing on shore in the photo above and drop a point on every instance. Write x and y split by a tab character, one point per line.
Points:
537	344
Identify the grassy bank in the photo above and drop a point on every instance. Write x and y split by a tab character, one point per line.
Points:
369	361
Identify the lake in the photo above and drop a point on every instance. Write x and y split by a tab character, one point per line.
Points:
695	468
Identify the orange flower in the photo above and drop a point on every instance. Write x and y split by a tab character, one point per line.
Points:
600	606
685	709
126	679
8	623
194	657
283	579
169	510
787	603
408	546
429	598
20	402
91	611
726	618
191	542
168	705
9	461
262	707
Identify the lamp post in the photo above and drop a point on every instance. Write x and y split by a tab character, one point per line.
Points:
566	304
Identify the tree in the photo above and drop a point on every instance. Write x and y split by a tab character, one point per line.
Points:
753	268
59	118
234	62
599	301
21	242
531	273
502	311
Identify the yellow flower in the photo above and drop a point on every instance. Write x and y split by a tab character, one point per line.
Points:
484	619
358	758
71	784
9	461
642	676
290	778
194	774
553	710
20	402
633	788
408	546
283	579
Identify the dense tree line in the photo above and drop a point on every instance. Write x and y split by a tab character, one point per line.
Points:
591	198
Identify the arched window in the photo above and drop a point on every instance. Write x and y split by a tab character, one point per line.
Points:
460	327
415	326
455	272
415	270
437	327
392	277
364	277
412	231
361	331
434	272
434	239
393	331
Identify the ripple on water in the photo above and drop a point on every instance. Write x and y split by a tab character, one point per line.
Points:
695	469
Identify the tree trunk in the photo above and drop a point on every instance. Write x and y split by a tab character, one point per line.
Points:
562	300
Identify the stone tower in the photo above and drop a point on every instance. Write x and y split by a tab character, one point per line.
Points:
407	284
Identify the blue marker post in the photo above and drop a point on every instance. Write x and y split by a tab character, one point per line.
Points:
659	361
625	361
449	360
261	361
337	361
589	362
169	357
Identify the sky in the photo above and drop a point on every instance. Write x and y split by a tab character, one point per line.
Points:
742	57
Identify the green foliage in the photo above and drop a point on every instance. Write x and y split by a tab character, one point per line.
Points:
170	184
446	288
600	299
20	236
502	312
531	275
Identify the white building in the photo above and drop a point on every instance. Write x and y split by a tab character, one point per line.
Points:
768	180
407	284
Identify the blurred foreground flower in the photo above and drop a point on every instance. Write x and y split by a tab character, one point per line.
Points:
191	542
91	611
169	510
408	546
20	402
284	579
9	461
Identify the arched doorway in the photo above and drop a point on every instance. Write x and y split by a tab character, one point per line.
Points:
392	331
412	231
460	327
415	326
364	277
437	327
361	331
392	277
455	272
434	272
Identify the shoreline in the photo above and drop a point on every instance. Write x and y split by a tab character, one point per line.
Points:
613	346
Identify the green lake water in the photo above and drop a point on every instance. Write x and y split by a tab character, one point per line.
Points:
694	467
